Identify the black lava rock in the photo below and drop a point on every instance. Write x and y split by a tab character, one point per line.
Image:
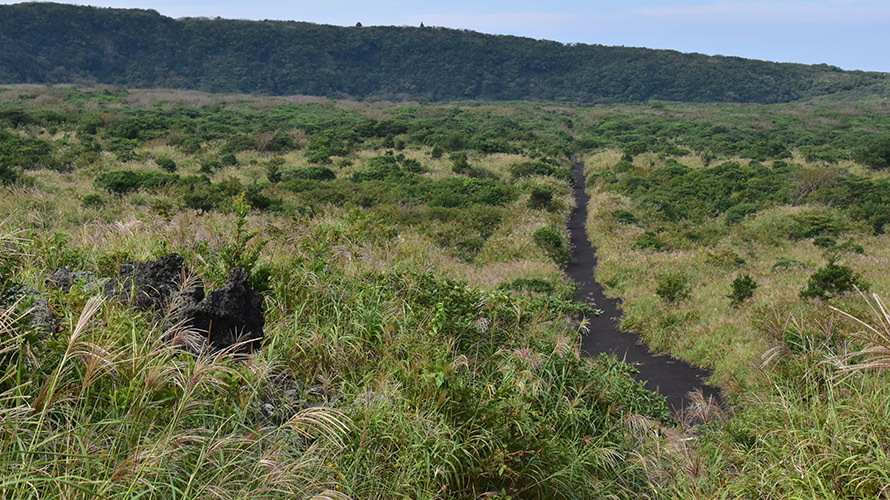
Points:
151	285
229	315
64	278
39	316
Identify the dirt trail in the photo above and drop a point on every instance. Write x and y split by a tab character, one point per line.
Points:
667	376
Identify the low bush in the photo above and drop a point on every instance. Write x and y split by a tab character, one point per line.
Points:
121	182
743	287
166	163
672	286
624	217
652	241
849	246
551	241
824	241
874	154
784	264
541	198
813	224
545	167
831	280
537	285
312	173
738	212
93	200
9	174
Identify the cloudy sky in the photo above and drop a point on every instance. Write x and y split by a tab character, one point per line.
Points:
852	34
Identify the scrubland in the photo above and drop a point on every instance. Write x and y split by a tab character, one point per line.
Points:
418	334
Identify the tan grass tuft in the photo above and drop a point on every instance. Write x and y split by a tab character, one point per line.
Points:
875	336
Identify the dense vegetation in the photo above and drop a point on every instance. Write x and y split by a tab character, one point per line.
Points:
52	43
736	246
416	341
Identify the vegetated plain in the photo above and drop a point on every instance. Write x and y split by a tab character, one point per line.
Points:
416	341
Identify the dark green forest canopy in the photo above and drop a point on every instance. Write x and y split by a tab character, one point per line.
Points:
53	43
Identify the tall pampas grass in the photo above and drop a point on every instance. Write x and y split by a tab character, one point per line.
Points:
874	336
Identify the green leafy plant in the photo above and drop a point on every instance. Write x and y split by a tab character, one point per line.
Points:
166	163
875	154
242	251
541	198
672	286
831	280
743	287
824	241
624	217
551	241
121	182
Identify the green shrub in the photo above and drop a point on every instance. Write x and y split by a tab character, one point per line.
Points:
676	191
849	246
243	251
623	166
768	149
239	142
875	154
379	168
459	164
551	241
650	240
832	280
9	174
824	241
316	173
93	200
672	286
537	285
624	217
455	192
228	160
121	182
166	163
738	212
545	167
810	225
208	165
743	287
541	198
726	259
412	165
273	171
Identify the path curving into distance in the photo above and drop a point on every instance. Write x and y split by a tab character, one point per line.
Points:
667	376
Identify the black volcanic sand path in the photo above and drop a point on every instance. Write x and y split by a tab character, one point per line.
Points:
670	377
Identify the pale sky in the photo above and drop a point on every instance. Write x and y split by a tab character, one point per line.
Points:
851	34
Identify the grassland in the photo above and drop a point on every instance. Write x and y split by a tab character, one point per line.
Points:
416	342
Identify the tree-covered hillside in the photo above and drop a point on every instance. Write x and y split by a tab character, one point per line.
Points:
52	43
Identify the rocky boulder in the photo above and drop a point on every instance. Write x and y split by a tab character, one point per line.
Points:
229	315
151	285
65	278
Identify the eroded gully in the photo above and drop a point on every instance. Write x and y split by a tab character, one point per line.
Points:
671	378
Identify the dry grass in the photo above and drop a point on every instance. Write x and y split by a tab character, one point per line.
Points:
705	329
874	335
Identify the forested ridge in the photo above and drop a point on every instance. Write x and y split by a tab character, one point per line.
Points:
54	43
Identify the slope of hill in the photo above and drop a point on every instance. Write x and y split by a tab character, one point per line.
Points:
53	43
